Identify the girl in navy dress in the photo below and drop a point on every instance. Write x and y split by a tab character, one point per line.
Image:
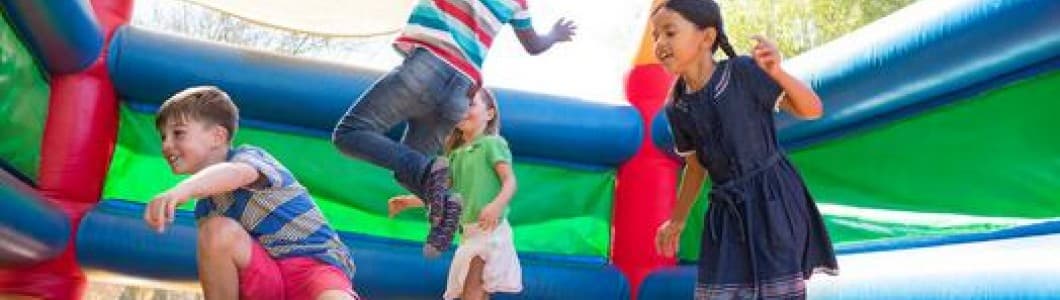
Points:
763	236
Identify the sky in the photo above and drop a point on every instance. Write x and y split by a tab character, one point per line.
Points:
591	67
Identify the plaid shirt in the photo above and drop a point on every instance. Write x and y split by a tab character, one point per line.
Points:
278	212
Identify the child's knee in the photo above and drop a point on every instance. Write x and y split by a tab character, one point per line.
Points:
336	295
477	262
350	140
475	271
221	234
340	136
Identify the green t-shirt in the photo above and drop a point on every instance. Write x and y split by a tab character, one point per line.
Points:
474	176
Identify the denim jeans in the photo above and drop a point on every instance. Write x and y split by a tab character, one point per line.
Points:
425	91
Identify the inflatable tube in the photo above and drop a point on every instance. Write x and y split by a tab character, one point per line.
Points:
308	96
1017	263
384	266
31	231
114	237
64	35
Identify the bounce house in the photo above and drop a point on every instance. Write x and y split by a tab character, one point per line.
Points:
935	164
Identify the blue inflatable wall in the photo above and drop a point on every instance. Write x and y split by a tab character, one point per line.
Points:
949	267
31	231
147	67
386	268
64	35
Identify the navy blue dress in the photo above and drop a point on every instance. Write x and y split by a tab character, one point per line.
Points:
763	235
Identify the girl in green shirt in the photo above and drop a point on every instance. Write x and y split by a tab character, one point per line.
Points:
481	166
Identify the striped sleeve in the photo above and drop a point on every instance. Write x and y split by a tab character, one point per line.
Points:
521	19
275	175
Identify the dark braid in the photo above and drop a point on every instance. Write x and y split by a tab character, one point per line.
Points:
723	42
704	14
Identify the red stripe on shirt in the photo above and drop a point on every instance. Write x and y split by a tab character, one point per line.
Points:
465	18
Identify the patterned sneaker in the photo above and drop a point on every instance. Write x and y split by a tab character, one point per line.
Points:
443	208
441	235
435	188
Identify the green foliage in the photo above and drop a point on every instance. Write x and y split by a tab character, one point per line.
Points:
799	25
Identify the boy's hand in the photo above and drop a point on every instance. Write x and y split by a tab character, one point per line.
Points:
160	211
668	238
766	55
399	203
563	30
490	216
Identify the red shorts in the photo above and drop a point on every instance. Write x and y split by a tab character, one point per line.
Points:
293	278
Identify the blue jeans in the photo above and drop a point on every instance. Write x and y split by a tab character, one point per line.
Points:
425	91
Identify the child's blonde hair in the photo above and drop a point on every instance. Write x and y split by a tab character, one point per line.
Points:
207	104
493	126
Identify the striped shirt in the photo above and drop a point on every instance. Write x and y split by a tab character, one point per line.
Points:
461	31
278	213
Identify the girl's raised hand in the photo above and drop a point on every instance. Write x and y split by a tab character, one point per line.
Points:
399	203
766	55
563	30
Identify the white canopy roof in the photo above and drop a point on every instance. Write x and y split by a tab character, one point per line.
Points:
339	18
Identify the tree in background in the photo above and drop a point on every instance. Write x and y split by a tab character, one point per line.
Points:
796	26
192	20
800	25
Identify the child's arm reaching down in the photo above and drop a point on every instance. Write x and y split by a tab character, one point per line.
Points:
668	236
212	180
799	100
492	213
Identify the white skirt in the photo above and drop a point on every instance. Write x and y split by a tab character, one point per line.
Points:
501	273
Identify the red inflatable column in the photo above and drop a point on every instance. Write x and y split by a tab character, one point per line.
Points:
77	147
645	191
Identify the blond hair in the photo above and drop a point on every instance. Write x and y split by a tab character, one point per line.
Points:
493	126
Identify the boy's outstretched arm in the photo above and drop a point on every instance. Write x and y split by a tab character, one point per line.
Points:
799	99
535	43
212	180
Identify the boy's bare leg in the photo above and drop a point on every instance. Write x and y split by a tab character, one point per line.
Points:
335	295
474	288
224	249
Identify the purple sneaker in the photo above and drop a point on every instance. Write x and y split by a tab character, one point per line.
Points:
443	208
435	187
441	235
